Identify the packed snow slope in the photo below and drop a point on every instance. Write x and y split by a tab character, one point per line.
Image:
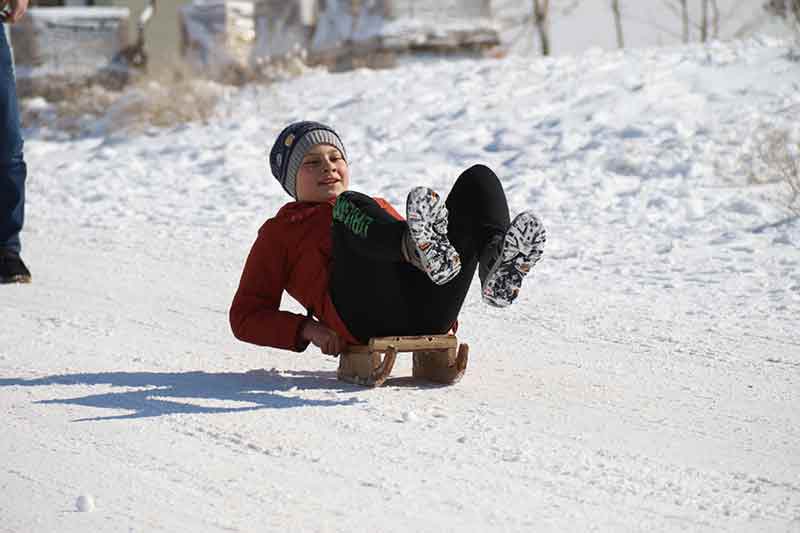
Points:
648	379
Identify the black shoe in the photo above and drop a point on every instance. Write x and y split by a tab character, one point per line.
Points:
12	269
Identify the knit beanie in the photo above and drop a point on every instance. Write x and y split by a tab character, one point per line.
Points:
291	147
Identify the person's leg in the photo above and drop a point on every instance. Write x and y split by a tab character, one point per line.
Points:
481	231
12	165
377	294
477	212
375	290
369	277
12	173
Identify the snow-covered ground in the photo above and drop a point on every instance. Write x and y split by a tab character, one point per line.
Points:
648	379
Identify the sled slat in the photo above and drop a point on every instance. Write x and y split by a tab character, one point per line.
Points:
409	344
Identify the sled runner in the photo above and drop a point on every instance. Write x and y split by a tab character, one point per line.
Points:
437	358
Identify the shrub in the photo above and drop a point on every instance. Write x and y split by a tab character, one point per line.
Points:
171	97
778	158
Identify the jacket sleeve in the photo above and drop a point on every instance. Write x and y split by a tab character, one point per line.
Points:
388	208
255	316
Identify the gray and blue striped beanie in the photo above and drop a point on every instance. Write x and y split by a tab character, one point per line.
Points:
291	147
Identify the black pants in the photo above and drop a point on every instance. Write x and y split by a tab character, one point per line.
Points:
376	292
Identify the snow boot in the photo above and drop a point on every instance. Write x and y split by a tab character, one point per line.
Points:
508	258
12	269
425	244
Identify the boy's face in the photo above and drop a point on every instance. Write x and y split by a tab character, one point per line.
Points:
323	174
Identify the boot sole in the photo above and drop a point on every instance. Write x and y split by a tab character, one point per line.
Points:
522	249
426	216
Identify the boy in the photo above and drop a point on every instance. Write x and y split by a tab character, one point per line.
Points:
358	268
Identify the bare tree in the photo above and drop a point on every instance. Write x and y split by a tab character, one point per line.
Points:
715	18
709	21
786	9
541	14
685	19
681	8
719	19
531	21
618	23
704	21
709	18
789	10
779	156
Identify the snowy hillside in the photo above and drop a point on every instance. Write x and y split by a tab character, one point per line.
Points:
648	379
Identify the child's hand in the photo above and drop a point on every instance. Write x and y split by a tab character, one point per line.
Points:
324	338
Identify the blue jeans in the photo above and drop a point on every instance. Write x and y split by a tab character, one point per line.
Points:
12	164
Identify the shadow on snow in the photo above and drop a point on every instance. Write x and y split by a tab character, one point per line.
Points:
167	393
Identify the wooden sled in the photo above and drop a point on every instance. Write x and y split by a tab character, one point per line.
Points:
437	358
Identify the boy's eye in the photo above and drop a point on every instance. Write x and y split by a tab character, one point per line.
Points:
312	162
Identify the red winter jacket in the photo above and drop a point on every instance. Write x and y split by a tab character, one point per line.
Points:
292	253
